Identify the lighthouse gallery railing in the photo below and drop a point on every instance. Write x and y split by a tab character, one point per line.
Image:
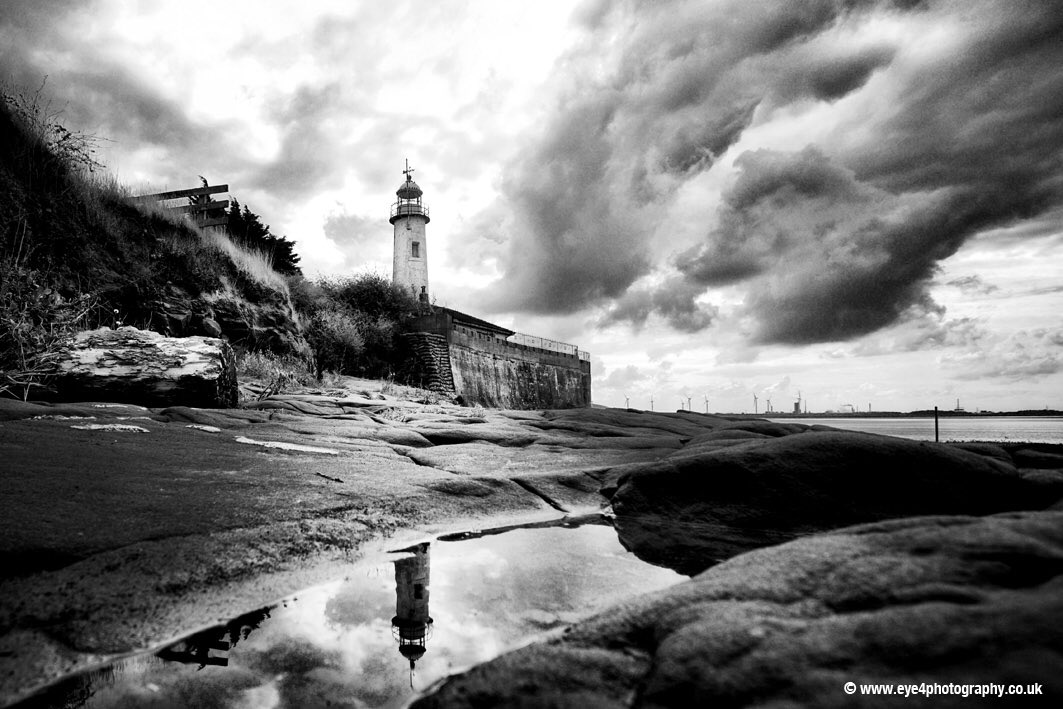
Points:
401	209
543	343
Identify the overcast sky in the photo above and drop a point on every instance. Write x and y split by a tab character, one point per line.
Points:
857	201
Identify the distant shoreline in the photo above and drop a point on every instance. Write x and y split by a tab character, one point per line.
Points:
928	413
910	414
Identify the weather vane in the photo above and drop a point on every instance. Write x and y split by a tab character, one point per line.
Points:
408	170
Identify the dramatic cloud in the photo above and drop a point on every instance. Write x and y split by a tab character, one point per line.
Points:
832	257
920	330
304	161
972	285
722	185
361	241
1020	356
940	120
673	301
105	97
635	124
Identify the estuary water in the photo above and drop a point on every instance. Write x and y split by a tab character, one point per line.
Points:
1030	429
389	628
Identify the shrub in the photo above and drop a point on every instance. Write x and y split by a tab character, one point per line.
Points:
36	324
305	294
276	373
334	335
412	393
354	322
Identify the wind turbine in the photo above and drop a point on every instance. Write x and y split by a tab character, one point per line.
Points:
706	403
754	403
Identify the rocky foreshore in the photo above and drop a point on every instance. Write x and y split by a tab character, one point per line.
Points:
818	556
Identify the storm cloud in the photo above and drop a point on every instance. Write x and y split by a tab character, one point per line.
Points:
940	120
673	301
1016	357
40	48
359	241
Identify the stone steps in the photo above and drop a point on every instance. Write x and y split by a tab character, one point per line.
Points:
433	359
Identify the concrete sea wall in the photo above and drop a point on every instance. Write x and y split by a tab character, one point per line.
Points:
498	375
474	360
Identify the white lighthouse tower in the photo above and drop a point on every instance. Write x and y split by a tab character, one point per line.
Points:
408	217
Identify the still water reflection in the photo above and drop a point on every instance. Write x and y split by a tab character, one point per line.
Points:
376	636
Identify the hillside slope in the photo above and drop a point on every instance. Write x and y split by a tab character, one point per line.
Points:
65	233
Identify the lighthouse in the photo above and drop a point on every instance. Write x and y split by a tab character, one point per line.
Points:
409	215
412	626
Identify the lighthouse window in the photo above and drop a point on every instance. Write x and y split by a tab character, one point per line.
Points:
416	249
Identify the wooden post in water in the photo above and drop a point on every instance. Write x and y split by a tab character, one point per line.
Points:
936	425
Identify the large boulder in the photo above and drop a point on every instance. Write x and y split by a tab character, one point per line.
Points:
143	367
951	604
703	504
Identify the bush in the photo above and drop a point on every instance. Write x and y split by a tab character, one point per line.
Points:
335	337
275	372
354	322
36	324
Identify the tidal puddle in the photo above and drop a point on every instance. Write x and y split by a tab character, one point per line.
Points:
390	628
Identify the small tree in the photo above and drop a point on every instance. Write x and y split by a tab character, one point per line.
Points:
247	228
354	322
334	335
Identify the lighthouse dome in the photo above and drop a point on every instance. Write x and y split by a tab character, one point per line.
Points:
412	652
409	190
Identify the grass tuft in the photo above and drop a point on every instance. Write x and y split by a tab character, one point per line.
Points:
256	265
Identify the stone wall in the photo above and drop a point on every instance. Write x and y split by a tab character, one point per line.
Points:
497	376
488	370
429	362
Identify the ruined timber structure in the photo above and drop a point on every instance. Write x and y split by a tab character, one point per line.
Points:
458	354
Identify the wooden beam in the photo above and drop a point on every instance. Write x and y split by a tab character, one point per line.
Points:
177	194
203	207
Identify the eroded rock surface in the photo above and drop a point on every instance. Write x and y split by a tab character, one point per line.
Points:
126	526
267	323
720	496
144	367
202	514
947	600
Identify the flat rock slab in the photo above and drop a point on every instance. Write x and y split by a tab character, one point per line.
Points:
697	507
478	457
945	600
158	521
113	539
498	432
619	422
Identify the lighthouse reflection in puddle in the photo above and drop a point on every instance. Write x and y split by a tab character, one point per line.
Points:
412	626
